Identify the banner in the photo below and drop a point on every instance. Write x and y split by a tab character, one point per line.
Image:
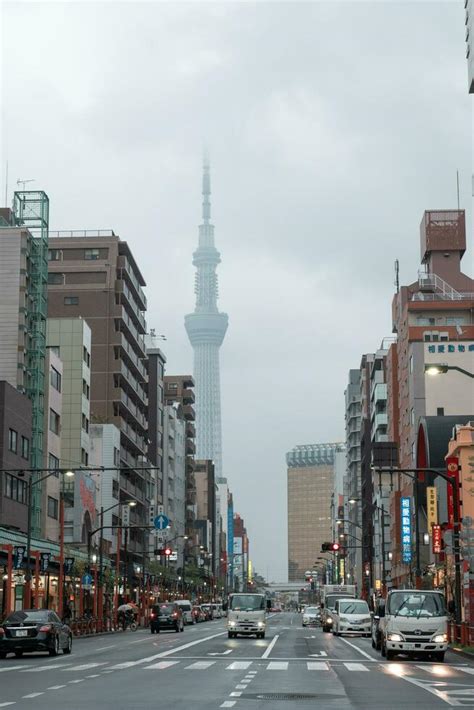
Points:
431	507
19	552
405	504
436	539
68	565
44	561
452	469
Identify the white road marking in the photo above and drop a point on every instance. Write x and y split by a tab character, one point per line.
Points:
200	665
56	687
31	695
85	666
363	653
434	669
161	666
78	680
239	666
464	669
235	694
269	648
94	675
253	672
10	668
38	669
321	654
228	704
129	664
317	666
355	667
241	686
277	666
224	653
4	705
104	648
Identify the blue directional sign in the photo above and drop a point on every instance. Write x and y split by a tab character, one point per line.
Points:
161	522
86	580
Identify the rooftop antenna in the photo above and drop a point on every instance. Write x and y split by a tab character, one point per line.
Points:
23	182
457	184
397	275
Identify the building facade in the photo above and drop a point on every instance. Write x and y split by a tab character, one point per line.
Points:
52	446
206	329
174	475
469	4
310	489
353	485
206	505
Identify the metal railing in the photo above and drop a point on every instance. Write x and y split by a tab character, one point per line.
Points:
81	233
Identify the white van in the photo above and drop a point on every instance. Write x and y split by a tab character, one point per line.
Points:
187	609
351	616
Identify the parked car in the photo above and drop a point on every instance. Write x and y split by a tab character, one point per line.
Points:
166	616
351	616
217	611
208	611
187	609
31	630
311	616
198	614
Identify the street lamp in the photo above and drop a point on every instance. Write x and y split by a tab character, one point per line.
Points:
435	368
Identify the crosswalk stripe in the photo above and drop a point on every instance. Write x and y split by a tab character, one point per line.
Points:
40	669
200	665
239	666
277	666
317	666
161	666
10	668
85	666
465	669
355	667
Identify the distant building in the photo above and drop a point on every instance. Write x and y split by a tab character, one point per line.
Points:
353	485
51	489
310	489
105	452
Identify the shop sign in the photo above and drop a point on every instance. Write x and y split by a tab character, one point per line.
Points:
436	540
405	504
45	558
432	506
19	552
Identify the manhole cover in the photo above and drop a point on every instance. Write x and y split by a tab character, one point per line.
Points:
288	696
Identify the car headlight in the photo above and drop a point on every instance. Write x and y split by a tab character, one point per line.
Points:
394	637
366	620
260	624
440	638
305	618
231	623
343	618
329	619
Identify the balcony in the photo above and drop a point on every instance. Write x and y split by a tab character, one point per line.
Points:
190	447
127	325
131	357
188	396
135	439
132	409
190	430
189	413
190	465
124	264
130	489
133	385
381	419
128	300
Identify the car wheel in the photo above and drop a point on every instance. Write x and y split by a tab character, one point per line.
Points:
389	654
55	650
19	654
383	650
3	654
67	650
373	643
439	656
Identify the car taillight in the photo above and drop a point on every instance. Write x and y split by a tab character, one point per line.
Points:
152	615
46	628
175	614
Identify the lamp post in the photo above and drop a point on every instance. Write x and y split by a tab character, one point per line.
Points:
131	504
382	510
434	369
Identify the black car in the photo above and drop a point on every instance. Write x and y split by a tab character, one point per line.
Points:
167	615
34	630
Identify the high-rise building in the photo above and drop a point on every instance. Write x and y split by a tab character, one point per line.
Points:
353	486
23	306
174	474
52	445
310	490
206	505
469	4
93	275
206	328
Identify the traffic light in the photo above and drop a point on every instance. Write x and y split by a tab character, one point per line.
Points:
335	546
168	551
163	552
326	547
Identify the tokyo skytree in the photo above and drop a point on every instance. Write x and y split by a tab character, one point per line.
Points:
206	328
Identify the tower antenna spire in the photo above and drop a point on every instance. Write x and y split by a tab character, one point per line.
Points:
206	187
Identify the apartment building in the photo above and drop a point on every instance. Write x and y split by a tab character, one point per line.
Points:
52	445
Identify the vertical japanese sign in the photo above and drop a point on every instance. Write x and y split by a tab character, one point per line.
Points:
431	506
45	559
19	553
405	504
436	531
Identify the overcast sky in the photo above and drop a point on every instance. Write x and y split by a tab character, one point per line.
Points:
331	127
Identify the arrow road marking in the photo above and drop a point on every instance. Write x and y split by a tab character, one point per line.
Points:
321	654
224	653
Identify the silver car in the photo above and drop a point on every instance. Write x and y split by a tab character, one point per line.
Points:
311	616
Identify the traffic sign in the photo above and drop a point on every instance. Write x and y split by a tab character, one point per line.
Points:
161	522
86	581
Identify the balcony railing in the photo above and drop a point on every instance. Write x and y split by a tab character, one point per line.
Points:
124	264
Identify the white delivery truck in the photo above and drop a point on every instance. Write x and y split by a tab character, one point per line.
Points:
246	615
329	594
413	622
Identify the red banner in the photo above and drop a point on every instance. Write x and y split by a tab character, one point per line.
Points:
436	539
452	469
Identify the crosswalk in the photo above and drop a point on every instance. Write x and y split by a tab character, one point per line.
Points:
269	666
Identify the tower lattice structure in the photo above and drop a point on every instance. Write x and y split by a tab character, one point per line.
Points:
206	328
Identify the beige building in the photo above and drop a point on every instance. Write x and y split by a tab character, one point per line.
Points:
53	411
310	488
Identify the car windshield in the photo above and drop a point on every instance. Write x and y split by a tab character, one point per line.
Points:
353	607
20	617
311	610
247	602
331	600
166	609
416	604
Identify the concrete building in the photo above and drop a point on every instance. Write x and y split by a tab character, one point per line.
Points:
353	485
23	307
469	5
206	504
94	275
52	446
310	489
105	452
206	329
15	453
174	475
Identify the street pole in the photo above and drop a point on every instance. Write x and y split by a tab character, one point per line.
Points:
61	555
383	550
125	557
456	550
27	597
417	535
101	560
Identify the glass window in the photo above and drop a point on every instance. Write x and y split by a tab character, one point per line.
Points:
247	602
54	254
55	278
85	423
456	321
416	604
85	389
91	254
14	488
53	463
55	379
353	607
71	300
25	447
52	508
411	363
84	457
54	421
12	440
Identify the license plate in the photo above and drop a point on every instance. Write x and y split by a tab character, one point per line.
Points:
22	633
410	646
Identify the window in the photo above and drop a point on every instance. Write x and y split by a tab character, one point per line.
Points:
91	254
85	389
86	356
53	463
55	278
440	412
25	447
54	349
456	321
54	255
14	488
412	416
85	423
84	457
12	440
411	363
173	386
55	379
52	508
71	300
54	421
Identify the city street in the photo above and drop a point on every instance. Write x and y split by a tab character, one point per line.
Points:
202	668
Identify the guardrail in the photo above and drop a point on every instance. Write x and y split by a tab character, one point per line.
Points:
462	634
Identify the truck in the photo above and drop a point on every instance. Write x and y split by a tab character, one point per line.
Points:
246	615
329	594
412	622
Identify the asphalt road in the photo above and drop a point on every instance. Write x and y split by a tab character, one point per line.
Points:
202	669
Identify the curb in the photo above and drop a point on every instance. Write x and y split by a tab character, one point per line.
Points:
460	652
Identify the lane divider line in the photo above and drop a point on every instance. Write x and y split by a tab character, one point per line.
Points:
269	648
356	648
